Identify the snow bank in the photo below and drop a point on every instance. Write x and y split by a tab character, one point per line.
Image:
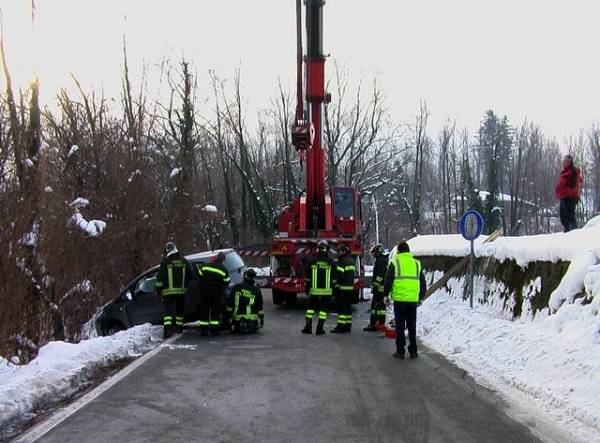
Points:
580	247
549	363
524	249
441	245
61	369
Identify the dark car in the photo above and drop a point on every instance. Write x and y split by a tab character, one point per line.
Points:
139	303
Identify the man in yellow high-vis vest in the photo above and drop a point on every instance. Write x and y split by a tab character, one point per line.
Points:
405	284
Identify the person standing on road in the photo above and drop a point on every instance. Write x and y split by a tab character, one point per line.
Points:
214	280
379	272
568	190
346	271
318	285
171	283
246	305
405	283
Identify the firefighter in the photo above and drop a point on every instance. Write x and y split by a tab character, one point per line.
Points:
214	280
319	283
379	271
346	271
405	283
246	305
171	283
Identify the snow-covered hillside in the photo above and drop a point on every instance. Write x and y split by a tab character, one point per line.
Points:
547	362
61	369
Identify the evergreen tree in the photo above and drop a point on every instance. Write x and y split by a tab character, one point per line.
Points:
495	142
473	197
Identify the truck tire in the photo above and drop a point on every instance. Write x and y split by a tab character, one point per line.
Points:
290	299
278	297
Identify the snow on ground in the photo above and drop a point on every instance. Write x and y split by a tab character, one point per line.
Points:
550	363
547	361
61	369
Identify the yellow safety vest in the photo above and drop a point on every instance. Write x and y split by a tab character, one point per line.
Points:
407	282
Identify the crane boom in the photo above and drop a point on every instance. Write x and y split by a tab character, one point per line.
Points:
333	215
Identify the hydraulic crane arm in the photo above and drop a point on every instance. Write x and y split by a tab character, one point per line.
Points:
307	136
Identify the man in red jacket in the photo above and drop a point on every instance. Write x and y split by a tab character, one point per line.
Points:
568	190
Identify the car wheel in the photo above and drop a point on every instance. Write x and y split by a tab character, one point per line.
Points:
278	297
113	328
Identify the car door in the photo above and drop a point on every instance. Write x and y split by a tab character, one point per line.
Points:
146	306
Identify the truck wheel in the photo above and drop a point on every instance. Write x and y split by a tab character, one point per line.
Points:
291	299
278	297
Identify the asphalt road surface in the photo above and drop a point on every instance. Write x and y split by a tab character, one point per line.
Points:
282	386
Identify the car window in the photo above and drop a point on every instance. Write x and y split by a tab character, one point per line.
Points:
146	284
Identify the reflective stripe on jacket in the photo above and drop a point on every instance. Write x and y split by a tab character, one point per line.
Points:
379	272
407	284
173	275
319	275
246	303
346	271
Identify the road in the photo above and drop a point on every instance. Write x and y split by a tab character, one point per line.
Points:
283	386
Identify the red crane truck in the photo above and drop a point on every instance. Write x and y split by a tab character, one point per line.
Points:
317	213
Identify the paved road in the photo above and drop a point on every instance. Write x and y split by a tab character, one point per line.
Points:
283	386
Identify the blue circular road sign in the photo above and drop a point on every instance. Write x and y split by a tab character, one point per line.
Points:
471	225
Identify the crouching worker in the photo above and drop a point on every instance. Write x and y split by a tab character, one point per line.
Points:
246	305
214	280
406	285
171	283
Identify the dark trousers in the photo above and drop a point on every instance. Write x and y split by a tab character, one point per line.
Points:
211	310
405	314
567	213
317	305
344	306
174	307
377	308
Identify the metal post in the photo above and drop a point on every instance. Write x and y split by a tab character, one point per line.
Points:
471	273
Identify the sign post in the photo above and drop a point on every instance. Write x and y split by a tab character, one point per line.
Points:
471	227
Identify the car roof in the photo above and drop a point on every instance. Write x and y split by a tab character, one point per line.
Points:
193	258
207	254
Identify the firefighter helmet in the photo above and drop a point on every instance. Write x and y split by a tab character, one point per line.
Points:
377	248
170	248
322	245
343	249
250	274
220	258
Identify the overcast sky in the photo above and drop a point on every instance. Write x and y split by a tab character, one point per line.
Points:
527	58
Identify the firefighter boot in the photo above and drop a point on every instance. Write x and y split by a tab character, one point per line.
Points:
320	330
339	329
348	328
372	323
308	327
